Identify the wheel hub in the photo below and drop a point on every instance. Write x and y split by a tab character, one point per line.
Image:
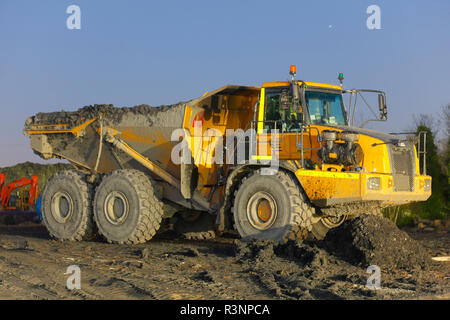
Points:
116	208
61	206
262	210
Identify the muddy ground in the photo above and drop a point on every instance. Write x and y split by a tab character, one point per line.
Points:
33	266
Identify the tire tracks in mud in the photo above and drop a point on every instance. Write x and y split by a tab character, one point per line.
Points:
159	276
111	275
167	268
33	275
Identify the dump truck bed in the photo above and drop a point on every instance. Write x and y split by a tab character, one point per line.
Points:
74	136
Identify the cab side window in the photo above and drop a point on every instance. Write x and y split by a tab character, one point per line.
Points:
280	112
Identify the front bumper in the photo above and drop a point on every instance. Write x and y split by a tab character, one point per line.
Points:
325	188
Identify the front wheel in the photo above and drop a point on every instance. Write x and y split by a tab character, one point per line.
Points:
196	226
271	207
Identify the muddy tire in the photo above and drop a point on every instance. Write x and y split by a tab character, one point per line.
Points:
271	207
67	206
321	227
126	207
201	228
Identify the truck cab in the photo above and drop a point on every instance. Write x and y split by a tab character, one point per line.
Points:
337	163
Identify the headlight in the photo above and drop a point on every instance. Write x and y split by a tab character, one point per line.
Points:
374	183
427	185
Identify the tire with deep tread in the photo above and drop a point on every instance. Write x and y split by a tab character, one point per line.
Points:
293	221
201	228
319	230
80	226
145	208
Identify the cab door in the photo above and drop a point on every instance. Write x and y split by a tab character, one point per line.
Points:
279	124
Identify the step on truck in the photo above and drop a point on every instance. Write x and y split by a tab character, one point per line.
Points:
275	162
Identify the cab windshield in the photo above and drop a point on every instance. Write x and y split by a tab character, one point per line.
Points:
325	108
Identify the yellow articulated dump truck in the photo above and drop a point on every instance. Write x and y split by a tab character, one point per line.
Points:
275	162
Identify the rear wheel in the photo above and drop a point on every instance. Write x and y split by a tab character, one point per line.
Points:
66	206
195	226
271	207
126	208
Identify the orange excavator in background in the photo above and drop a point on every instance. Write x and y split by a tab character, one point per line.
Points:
25	200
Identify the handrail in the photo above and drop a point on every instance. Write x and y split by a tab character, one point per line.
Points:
421	146
75	131
301	144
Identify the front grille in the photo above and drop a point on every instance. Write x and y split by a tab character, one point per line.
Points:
402	163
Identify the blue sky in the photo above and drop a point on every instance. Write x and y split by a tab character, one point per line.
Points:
161	52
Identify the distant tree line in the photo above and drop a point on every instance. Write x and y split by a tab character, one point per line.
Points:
28	169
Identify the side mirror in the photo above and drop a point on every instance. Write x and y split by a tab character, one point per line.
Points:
295	91
382	106
295	94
